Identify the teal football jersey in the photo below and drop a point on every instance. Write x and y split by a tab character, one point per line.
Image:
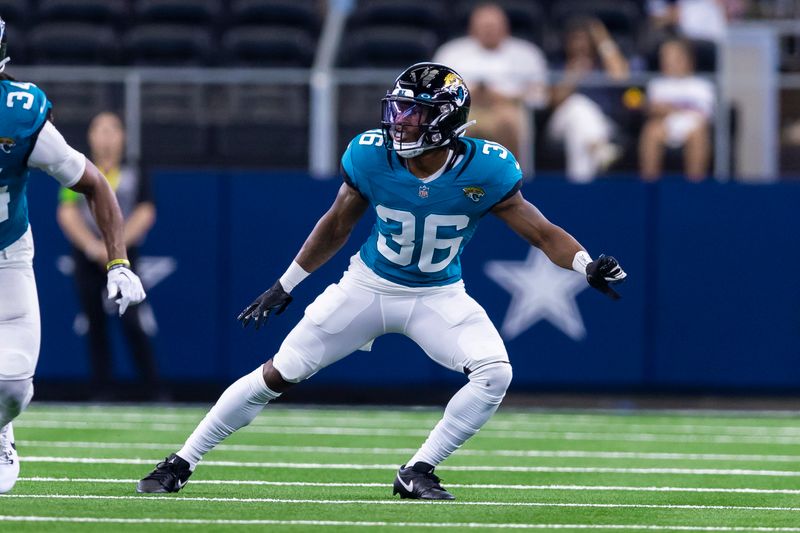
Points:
422	226
24	109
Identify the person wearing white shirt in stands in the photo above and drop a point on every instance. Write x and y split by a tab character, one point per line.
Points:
505	75
679	106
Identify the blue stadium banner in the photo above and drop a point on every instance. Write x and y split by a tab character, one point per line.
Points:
711	301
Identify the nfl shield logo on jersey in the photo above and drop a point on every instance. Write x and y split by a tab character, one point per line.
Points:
423	191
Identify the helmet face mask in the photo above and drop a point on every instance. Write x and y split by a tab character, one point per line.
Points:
3	46
405	124
427	108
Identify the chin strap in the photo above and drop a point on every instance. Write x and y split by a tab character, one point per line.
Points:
3	63
461	130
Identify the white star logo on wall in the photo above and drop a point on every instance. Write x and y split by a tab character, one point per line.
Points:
539	290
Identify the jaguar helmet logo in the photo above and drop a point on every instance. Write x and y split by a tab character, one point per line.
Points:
455	86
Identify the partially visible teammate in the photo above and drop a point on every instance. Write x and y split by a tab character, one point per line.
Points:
429	187
29	139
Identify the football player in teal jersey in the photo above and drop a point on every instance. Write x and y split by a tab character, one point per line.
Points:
29	139
429	186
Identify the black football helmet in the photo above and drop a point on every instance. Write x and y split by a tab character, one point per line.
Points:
3	45
427	108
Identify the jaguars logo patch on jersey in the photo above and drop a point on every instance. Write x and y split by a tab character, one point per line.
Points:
474	193
6	144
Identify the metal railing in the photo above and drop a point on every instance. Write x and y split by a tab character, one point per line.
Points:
324	87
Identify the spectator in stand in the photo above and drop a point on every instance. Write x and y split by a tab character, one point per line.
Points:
505	75
578	118
679	107
132	189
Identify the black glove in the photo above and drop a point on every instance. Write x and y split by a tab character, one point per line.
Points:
274	299
602	273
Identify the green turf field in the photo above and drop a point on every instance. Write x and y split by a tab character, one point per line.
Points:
331	470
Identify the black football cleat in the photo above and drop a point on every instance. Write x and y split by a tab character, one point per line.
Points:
418	482
170	475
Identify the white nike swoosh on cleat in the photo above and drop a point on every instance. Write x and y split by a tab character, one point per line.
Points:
180	484
409	487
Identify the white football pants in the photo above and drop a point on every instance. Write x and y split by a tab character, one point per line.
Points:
451	327
20	329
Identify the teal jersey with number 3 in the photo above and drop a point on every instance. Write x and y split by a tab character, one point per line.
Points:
24	109
422	226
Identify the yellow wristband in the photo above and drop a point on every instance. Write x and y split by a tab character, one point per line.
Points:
114	262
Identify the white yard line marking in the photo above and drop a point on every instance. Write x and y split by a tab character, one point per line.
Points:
473	468
383	432
372	524
562	454
666	415
171	500
598	488
268	418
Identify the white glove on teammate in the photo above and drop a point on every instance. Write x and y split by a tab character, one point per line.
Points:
124	286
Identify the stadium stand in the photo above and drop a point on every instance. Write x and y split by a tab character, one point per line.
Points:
107	12
73	43
184	12
16	14
379	34
267	46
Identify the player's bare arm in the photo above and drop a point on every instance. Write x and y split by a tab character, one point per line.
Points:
333	229
123	286
559	246
530	224
328	236
105	209
75	228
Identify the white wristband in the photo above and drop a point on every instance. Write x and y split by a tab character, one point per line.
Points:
580	261
293	276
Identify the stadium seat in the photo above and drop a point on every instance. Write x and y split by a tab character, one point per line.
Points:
268	46
175	122
252	117
390	46
72	43
165	44
255	145
183	12
621	17
293	13
175	143
705	55
95	11
422	14
15	12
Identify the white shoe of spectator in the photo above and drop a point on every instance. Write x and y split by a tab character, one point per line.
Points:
9	460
